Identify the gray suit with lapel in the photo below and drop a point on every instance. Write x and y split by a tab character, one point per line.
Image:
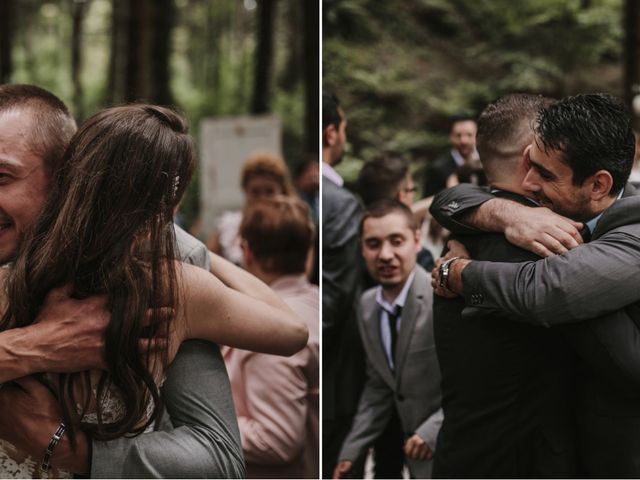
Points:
414	389
592	294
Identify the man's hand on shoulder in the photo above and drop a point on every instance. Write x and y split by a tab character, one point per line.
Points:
29	415
538	230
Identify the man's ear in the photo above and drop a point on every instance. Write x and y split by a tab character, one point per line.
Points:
601	183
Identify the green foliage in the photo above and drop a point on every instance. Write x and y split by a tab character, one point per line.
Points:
212	62
401	69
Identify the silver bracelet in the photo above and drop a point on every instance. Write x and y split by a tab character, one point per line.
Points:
46	461
444	272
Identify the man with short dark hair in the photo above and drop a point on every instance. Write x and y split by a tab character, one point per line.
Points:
386	176
496	422
580	158
395	323
389	176
35	127
343	364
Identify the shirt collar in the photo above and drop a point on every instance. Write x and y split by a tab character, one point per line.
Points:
591	224
331	174
459	159
400	299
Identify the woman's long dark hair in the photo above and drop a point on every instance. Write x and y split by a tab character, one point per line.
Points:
107	229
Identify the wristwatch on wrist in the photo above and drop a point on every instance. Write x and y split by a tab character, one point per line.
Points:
444	272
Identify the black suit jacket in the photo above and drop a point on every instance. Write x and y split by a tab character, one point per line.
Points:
506	388
591	293
436	174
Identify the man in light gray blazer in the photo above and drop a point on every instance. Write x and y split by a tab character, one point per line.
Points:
395	321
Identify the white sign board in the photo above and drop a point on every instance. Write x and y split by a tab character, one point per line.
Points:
225	143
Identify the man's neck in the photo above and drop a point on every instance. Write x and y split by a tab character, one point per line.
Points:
267	277
605	203
326	156
510	187
390	294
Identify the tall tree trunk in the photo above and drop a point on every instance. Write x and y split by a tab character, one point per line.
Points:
311	76
160	51
295	18
78	12
140	51
631	53
7	21
264	57
138	64
118	58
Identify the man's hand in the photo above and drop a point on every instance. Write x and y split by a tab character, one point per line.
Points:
343	469
68	335
455	249
29	415
542	232
416	448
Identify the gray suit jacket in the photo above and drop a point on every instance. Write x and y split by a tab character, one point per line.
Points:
204	440
414	390
596	282
343	368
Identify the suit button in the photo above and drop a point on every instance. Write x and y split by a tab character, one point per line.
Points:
400	398
477	299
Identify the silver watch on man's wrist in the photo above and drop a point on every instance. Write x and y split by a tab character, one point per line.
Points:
444	272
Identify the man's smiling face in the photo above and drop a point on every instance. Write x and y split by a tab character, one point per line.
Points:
24	181
549	182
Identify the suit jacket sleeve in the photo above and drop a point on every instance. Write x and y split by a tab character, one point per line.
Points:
204	443
276	399
429	429
450	204
589	281
341	253
374	410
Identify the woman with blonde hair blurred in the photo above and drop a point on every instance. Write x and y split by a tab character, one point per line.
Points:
264	175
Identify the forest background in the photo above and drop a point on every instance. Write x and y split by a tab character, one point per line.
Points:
210	58
402	68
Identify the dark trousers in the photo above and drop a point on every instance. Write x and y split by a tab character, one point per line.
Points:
388	453
333	434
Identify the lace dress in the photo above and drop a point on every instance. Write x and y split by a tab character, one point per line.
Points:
15	463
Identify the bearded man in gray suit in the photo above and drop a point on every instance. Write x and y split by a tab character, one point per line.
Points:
395	321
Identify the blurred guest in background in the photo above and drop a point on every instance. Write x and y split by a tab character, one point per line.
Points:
462	137
308	186
277	398
388	176
263	175
343	357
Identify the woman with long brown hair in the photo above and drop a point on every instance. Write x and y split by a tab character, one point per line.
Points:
107	230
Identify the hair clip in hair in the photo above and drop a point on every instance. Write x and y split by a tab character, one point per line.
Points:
176	184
